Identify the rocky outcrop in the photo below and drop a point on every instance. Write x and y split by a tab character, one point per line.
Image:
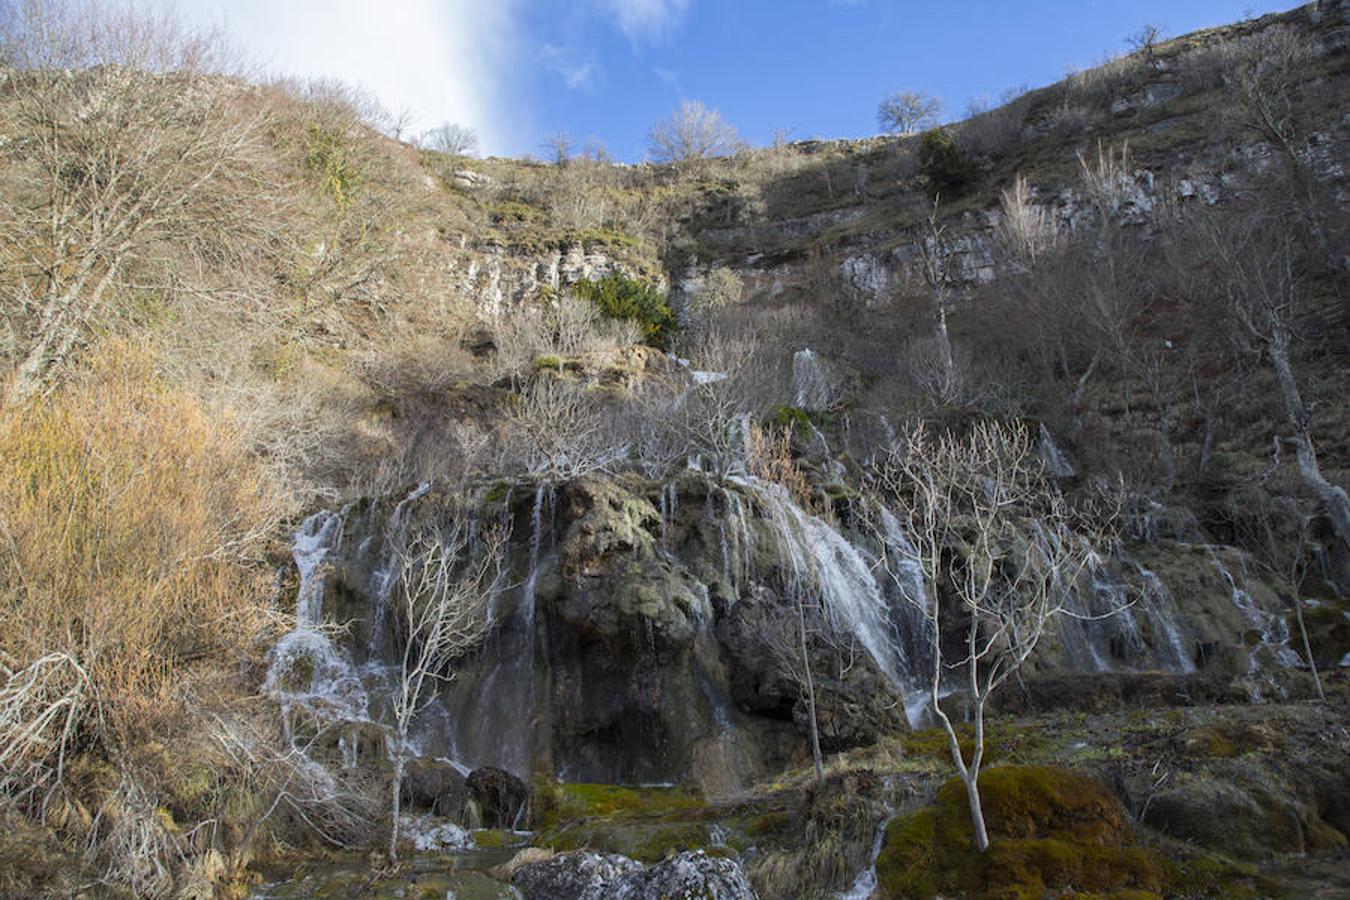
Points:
644	637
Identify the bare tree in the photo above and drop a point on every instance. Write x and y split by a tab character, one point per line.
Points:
692	132
908	112
120	136
452	139
789	639
1263	299
1268	77
1027	229
446	579
558	146
989	530
558	429
936	256
1145	40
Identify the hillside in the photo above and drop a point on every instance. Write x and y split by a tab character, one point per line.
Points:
708	525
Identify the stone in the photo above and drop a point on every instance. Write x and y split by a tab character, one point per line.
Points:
693	874
436	787
580	875
502	797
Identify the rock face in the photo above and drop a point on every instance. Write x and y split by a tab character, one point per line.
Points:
644	637
594	876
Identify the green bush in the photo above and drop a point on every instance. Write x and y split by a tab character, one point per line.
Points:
328	152
949	168
642	302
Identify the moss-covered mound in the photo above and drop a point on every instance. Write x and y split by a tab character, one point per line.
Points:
645	824
1052	831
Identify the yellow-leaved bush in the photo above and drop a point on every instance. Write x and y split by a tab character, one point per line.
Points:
128	518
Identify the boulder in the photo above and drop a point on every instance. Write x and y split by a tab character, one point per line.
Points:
690	874
502	797
1240	819
580	875
583	875
436	787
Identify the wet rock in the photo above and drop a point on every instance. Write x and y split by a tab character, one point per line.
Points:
501	797
693	874
580	875
435	787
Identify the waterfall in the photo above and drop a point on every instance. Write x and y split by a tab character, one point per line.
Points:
1274	630
865	885
1057	464
490	706
812	389
307	671
822	560
387	573
317	536
1161	609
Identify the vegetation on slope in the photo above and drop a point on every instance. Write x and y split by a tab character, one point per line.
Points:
226	302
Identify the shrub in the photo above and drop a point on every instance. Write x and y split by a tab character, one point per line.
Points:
124	512
327	152
637	301
949	169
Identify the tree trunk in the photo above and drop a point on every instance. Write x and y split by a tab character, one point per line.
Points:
810	695
394	801
1307	645
1332	496
944	343
976	810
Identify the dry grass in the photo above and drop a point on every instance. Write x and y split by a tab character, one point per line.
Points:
127	514
769	457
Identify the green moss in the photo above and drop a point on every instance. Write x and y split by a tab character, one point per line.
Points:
790	417
549	361
513	212
555	803
1051	831
1205	876
495	838
773	824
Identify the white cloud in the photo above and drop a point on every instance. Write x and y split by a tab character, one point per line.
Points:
578	74
647	20
443	60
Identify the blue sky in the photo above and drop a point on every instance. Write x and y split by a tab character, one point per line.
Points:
518	71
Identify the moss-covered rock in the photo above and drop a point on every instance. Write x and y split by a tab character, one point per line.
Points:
1050	829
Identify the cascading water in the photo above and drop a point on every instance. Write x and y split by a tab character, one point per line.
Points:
812	390
821	560
308	672
386	573
1273	629
491	704
865	885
